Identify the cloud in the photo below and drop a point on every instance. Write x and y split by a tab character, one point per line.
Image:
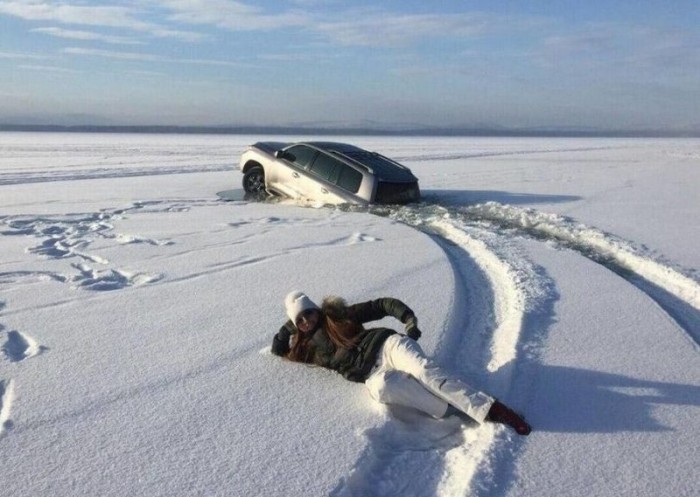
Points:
42	68
86	35
621	46
389	30
93	52
15	55
363	27
104	16
358	27
70	14
145	57
231	15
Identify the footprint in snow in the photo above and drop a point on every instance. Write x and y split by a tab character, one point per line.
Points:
269	220
361	237
125	239
19	347
111	279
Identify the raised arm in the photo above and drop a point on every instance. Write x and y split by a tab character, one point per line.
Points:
280	342
374	310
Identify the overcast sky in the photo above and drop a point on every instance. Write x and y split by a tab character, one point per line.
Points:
585	63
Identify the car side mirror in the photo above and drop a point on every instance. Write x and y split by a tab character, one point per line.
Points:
281	154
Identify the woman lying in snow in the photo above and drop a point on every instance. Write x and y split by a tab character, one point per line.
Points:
392	366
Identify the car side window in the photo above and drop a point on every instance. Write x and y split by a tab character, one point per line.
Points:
325	167
300	155
336	172
349	179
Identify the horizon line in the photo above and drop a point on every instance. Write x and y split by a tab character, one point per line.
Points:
495	131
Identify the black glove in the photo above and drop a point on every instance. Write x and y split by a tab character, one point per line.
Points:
279	347
412	328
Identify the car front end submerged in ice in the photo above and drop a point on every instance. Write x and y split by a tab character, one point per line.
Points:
327	172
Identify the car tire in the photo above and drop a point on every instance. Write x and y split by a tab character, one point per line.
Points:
254	180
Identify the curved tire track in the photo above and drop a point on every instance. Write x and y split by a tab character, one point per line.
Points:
481	343
672	289
676	293
473	237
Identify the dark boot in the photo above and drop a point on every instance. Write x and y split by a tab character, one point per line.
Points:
500	413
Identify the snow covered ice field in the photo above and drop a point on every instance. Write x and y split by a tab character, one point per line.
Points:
137	310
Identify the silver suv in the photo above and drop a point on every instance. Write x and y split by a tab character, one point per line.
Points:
327	172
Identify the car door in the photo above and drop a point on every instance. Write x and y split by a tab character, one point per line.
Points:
291	175
325	171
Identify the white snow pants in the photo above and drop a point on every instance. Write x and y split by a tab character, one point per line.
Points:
403	375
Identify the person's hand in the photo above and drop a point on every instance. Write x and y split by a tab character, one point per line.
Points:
412	329
279	347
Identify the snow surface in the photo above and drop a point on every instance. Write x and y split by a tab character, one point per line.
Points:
137	309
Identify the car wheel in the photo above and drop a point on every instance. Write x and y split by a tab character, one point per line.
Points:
254	180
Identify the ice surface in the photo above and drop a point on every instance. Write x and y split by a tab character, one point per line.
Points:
137	309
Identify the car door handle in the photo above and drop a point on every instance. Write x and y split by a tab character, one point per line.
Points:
323	190
295	175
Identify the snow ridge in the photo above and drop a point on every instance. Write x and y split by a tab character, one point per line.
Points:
54	175
482	232
514	289
7	395
501	287
673	290
509	298
676	293
444	156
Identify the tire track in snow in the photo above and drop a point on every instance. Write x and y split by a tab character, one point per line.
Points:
7	396
483	318
519	295
493	292
398	452
516	294
46	176
17	348
676	293
424	157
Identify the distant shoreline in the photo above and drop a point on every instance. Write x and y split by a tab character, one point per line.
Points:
358	131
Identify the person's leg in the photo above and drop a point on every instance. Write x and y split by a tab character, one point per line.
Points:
404	354
396	387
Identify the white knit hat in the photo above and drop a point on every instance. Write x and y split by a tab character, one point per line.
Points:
297	302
